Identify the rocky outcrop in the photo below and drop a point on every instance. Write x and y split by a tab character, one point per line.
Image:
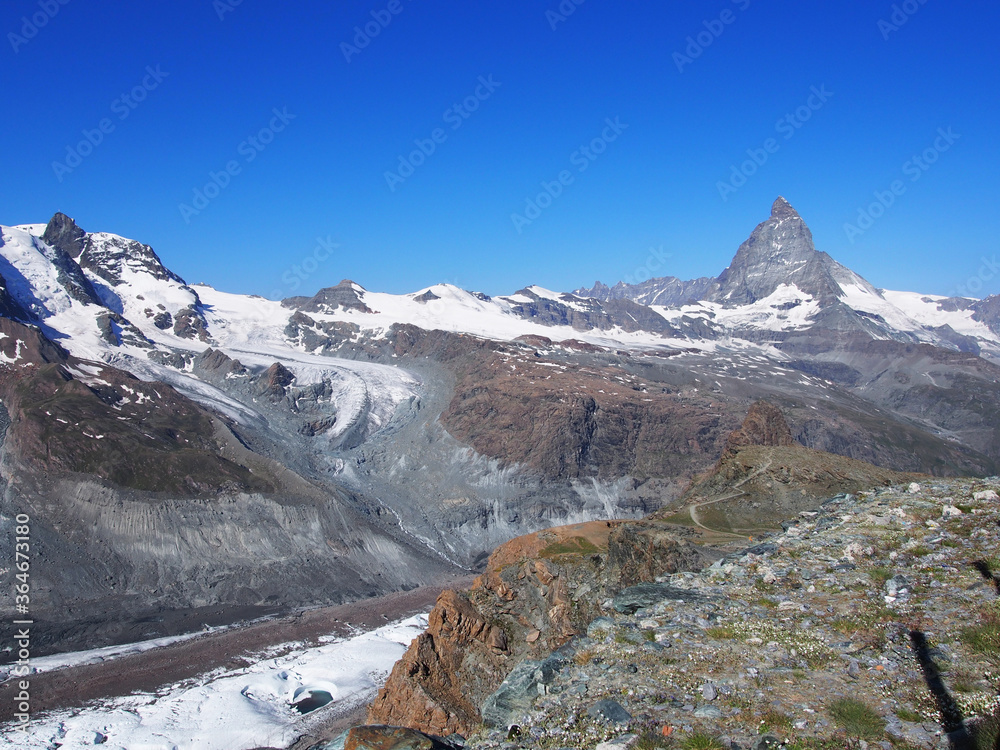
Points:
644	550
63	233
429	685
66	237
9	306
190	323
572	423
395	738
344	296
765	425
274	382
537	593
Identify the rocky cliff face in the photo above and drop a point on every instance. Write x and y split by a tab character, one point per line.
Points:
764	425
537	593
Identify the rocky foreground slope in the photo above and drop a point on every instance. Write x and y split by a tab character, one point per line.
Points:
871	622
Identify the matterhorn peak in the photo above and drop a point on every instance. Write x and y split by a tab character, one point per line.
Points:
782	209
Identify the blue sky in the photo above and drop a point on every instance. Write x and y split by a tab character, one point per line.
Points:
211	75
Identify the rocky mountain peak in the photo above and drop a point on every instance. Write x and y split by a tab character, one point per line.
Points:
345	295
108	256
782	209
779	251
63	234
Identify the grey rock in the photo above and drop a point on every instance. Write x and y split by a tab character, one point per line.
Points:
648	594
609	711
708	712
854	668
514	697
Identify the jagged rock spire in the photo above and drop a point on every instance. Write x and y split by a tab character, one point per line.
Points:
63	233
782	209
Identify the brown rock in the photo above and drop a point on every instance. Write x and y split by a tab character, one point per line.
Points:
765	425
643	550
428	688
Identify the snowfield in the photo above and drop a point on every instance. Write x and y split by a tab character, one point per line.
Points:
232	710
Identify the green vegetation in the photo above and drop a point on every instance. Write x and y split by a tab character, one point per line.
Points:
986	734
857	719
984	638
880	575
699	741
906	714
775	721
575	546
650	740
721	632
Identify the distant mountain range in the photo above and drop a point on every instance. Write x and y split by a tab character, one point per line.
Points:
182	447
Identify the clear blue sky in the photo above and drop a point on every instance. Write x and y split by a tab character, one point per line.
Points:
655	185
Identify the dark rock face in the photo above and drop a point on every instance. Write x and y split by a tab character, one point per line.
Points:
779	251
9	307
275	381
668	291
584	313
426	297
343	296
570	424
220	363
986	310
67	237
64	234
190	323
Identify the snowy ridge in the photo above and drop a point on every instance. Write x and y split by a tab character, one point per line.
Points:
133	284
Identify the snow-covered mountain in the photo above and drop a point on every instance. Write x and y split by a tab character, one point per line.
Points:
353	442
778	282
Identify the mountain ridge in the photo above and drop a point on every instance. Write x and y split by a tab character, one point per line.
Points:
434	425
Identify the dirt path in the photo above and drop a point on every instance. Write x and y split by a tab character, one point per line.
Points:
149	670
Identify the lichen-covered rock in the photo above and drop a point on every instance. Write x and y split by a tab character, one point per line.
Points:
393	738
